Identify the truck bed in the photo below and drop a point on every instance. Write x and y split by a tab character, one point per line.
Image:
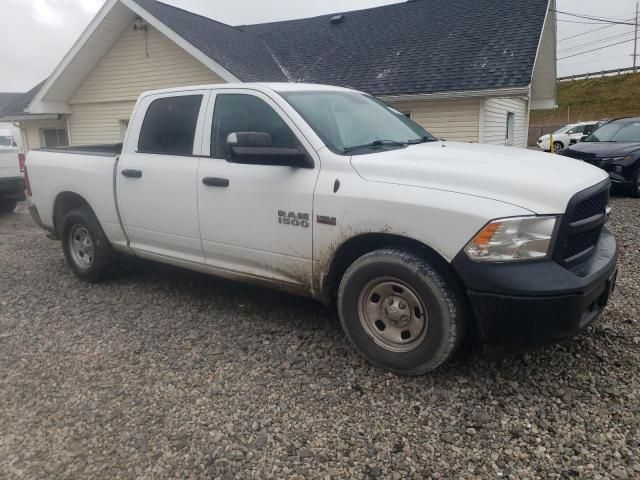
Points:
103	150
85	171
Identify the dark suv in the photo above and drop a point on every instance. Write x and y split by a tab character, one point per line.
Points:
614	147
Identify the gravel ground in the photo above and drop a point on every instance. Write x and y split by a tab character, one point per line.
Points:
170	374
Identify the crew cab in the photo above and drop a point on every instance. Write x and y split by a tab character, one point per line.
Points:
11	181
330	193
614	147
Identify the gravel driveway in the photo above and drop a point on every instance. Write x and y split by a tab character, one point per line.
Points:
165	373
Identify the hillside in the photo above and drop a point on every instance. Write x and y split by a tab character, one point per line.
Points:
593	99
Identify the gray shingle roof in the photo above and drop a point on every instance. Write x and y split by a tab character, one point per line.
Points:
8	97
418	46
17	106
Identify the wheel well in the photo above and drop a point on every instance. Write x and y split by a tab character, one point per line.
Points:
65	202
360	245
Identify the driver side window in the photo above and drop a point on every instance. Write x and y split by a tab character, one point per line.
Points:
246	113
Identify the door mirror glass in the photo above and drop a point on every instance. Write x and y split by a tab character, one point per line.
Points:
257	148
250	139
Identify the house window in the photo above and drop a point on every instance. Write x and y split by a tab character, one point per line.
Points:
124	124
54	137
511	128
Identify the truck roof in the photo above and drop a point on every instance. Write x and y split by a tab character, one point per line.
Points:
262	86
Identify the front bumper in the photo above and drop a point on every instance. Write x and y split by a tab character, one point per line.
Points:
538	302
12	188
543	145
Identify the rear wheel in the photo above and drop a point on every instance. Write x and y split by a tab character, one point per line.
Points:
7	206
86	247
400	312
557	146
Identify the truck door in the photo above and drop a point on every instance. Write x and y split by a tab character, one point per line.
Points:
156	176
255	218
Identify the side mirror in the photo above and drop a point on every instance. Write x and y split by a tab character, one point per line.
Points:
256	148
583	138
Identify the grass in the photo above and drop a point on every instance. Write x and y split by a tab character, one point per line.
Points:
593	99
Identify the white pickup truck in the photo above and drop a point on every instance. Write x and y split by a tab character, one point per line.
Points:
330	193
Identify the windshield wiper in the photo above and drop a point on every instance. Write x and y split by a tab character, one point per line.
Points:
376	143
422	140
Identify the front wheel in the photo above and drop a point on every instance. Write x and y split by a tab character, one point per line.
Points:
557	146
400	312
7	206
86	248
635	183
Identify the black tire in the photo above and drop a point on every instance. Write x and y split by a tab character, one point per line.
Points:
7	206
103	258
557	146
445	311
634	189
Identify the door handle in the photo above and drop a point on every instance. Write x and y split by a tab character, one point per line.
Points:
131	173
215	182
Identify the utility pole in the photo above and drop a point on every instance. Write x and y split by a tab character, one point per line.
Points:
635	44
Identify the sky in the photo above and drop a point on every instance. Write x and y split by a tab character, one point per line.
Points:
36	34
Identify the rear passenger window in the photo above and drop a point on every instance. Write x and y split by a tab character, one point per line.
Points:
169	126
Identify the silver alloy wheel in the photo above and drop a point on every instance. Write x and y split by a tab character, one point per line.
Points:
393	314
81	246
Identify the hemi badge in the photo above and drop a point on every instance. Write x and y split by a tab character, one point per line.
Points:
326	220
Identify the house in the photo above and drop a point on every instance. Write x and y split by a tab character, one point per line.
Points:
466	70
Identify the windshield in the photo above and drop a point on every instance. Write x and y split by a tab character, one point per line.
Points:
563	129
6	141
616	132
349	121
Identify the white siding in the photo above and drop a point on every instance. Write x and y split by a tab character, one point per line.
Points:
108	94
494	120
92	123
457	120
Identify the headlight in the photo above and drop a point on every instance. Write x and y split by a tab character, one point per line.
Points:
620	161
513	239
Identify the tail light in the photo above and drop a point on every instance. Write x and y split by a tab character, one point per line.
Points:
27	185
22	159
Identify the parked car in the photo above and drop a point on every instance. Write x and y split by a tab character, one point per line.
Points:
615	147
330	193
8	139
567	135
11	181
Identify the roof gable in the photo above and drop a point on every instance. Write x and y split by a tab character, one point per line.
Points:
242	53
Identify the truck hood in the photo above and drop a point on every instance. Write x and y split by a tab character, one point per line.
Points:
539	182
602	149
